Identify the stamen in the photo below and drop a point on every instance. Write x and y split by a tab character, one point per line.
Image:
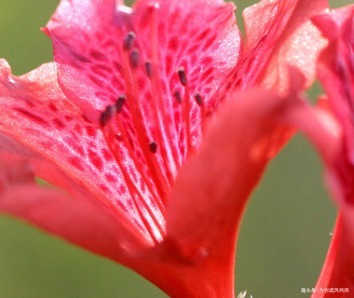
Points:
168	148
106	115
186	106
128	41
134	191
134	59
151	217
148	69
182	76
153	147
200	102
198	99
123	136
119	103
177	95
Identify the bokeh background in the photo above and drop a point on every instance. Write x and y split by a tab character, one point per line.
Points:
284	236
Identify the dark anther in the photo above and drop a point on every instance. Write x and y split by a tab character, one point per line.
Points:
182	76
153	147
128	41
134	59
177	95
120	103
106	115
148	69
198	99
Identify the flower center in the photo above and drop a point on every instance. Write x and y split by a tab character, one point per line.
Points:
136	129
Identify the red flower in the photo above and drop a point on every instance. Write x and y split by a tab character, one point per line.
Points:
330	127
124	110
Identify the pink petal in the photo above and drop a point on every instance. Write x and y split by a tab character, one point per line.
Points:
278	34
87	225
139	54
77	28
88	38
39	123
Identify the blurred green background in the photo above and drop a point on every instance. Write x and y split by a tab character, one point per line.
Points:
284	235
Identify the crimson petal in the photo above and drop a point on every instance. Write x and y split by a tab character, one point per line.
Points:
336	72
40	124
212	190
331	129
279	34
84	224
